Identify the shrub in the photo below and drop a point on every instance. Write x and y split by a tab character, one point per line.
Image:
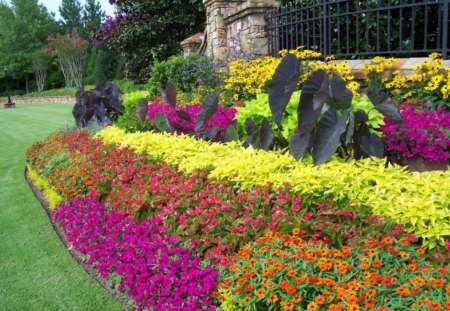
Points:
128	120
191	75
283	272
426	133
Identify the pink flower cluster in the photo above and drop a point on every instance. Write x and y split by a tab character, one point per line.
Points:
220	119
152	267
426	133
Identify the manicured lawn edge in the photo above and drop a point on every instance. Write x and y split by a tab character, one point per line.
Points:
90	270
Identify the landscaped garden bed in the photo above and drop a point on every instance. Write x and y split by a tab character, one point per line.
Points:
188	220
182	207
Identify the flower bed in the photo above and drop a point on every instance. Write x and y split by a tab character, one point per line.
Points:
211	216
174	209
418	201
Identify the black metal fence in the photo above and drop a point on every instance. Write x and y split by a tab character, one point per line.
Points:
360	29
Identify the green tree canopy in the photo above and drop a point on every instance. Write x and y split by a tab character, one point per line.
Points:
92	14
24	28
70	11
148	30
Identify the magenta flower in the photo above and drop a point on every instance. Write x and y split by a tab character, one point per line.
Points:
152	267
426	134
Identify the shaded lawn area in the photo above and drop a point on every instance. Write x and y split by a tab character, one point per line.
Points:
36	271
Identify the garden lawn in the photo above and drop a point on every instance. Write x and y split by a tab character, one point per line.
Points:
36	271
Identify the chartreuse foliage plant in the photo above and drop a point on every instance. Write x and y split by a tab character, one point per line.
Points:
128	120
417	200
53	198
258	109
284	272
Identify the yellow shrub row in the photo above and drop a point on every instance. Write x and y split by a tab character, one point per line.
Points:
420	201
53	198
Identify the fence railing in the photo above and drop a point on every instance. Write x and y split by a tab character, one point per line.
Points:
359	29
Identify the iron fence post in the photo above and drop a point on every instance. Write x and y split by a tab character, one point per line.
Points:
445	45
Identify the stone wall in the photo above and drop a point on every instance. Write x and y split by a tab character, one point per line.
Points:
42	100
227	20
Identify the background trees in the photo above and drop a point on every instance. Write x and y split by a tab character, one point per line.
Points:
143	31
24	28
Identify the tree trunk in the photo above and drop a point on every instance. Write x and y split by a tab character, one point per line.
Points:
26	85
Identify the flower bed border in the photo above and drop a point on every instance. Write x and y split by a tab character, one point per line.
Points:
90	270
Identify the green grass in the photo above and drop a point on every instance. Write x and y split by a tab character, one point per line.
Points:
36	271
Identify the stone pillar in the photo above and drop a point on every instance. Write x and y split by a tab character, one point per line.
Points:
247	23
216	29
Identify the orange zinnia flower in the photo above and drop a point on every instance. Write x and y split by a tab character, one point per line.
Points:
335	307
297	298
259	293
288	306
273	298
376	263
296	231
319	300
434	306
370	302
371	293
403	291
353	307
312	306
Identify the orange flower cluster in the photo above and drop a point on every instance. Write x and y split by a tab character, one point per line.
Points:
288	273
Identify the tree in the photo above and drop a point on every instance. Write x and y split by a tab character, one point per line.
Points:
144	31
69	51
24	27
41	62
92	14
70	11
